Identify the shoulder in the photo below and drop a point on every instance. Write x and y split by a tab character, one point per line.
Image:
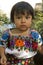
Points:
10	32
14	31
5	34
35	34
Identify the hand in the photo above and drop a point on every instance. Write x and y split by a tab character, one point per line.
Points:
3	60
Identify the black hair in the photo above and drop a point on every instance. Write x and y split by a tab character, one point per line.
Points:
21	8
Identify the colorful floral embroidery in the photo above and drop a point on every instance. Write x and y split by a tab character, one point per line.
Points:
26	43
19	43
22	42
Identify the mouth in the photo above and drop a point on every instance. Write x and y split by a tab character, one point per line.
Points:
23	26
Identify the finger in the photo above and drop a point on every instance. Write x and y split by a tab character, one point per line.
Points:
3	62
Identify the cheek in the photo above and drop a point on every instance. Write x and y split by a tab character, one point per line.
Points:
29	24
17	24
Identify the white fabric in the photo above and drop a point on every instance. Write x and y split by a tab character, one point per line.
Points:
20	54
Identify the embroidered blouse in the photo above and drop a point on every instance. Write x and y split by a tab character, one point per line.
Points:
21	46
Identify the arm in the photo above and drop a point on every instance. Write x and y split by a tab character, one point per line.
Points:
3	57
3	46
2	51
40	49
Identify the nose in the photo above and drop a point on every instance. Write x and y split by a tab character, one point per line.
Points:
23	20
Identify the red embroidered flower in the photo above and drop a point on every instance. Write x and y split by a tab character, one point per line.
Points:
34	45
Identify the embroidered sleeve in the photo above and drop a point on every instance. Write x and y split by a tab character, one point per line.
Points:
4	38
37	37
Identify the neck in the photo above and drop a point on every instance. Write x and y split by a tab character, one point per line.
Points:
26	32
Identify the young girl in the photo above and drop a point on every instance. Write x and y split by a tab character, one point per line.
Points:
20	45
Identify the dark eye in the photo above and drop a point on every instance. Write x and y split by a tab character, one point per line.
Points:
18	17
27	17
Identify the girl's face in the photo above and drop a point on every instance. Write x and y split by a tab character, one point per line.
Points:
23	22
